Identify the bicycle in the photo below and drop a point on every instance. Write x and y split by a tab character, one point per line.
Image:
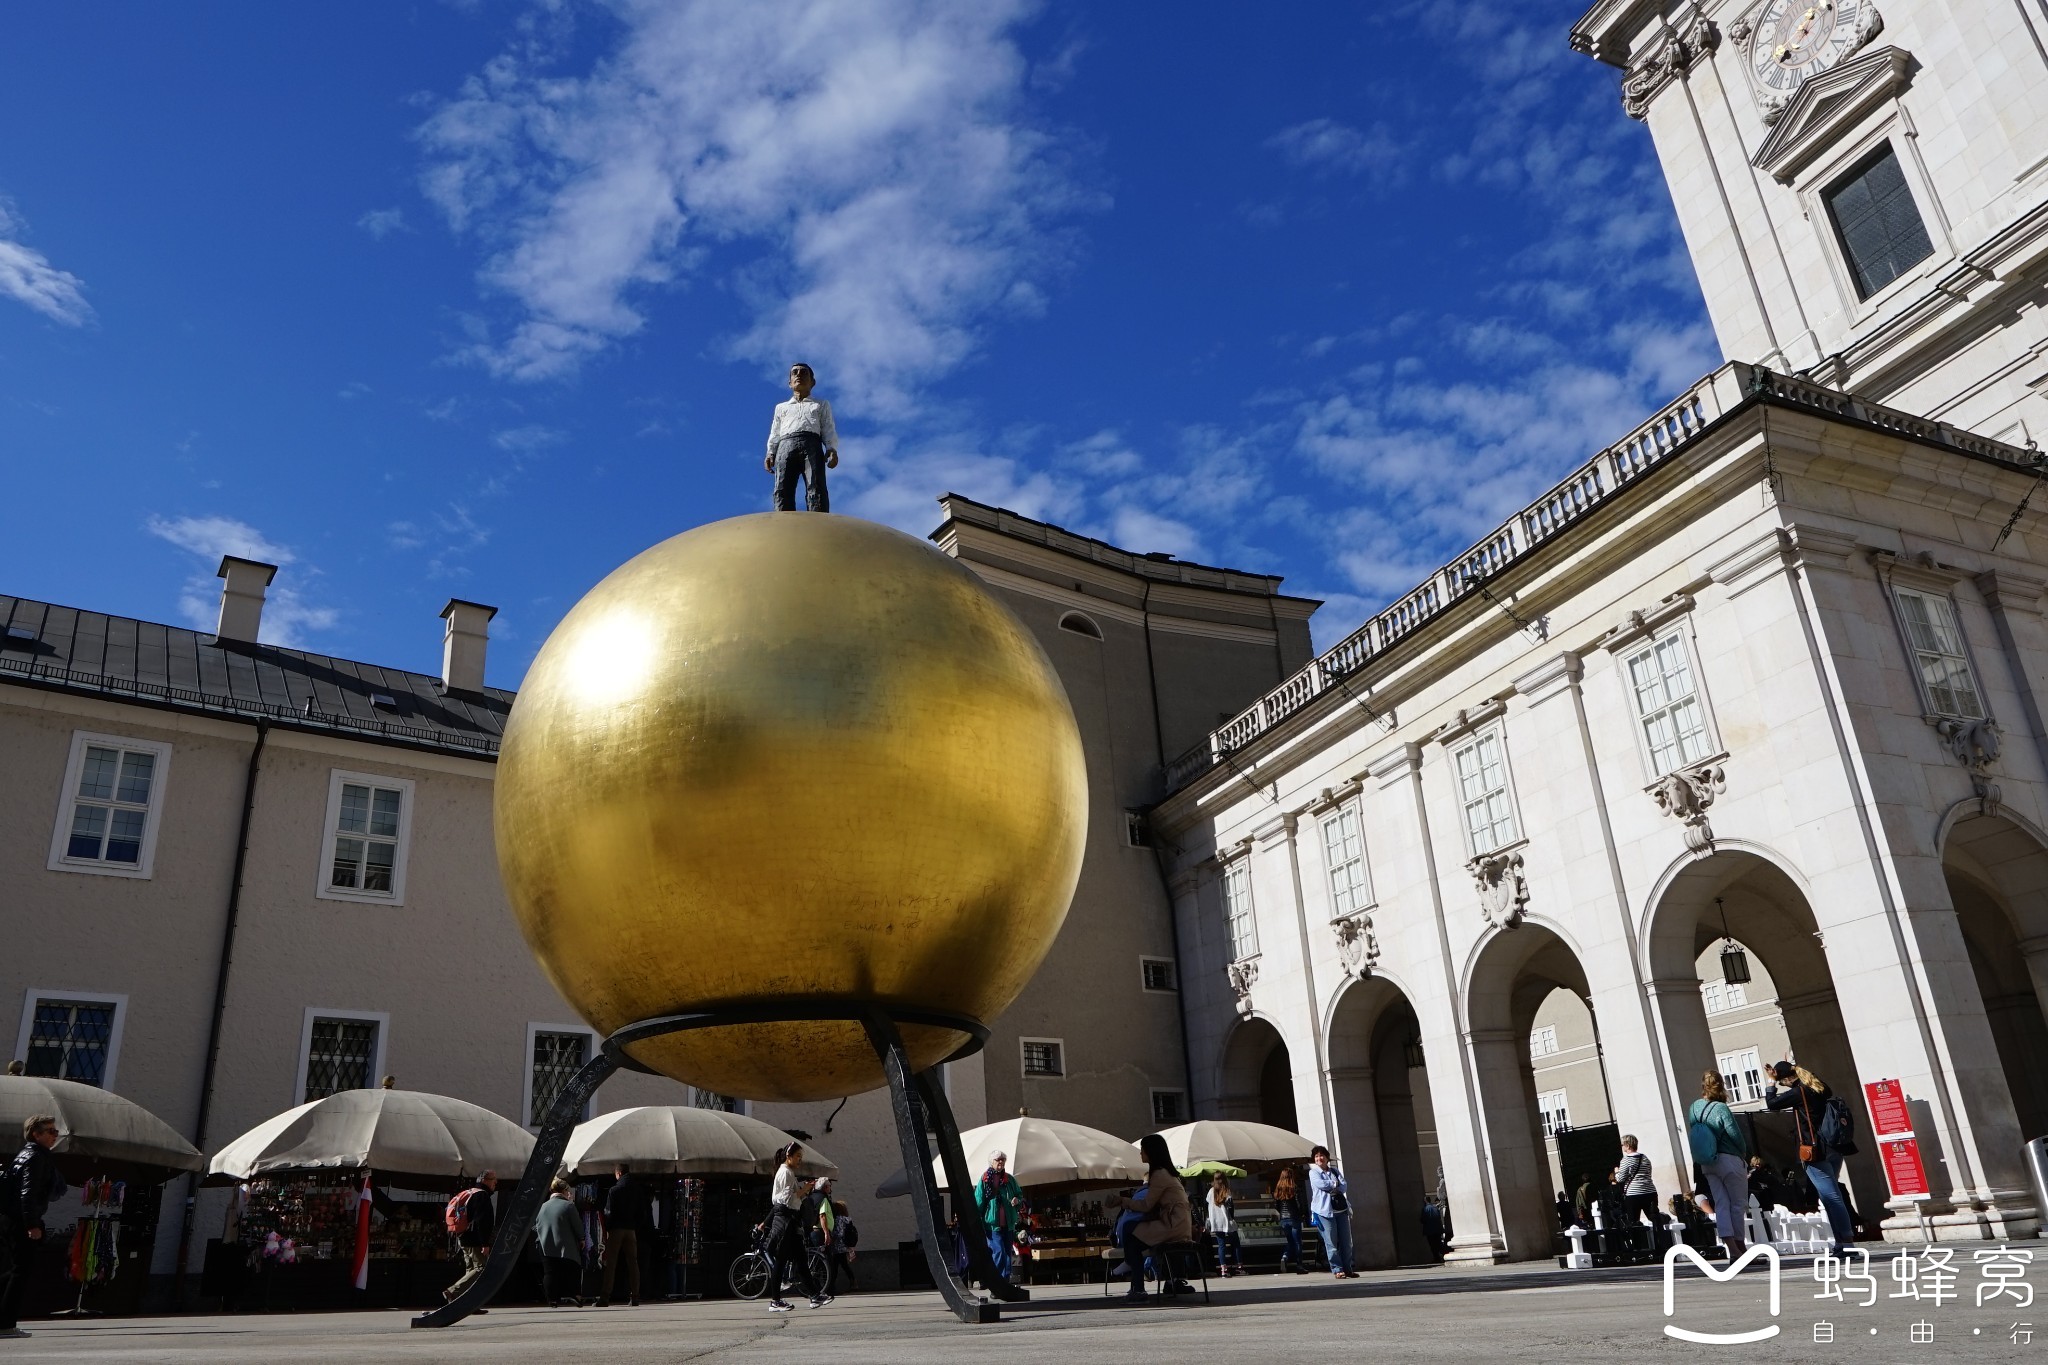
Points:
748	1277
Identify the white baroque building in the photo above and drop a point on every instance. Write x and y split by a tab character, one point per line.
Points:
1774	660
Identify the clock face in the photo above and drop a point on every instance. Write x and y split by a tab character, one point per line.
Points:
1796	39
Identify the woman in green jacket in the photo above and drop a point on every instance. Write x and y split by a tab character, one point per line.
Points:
1728	1173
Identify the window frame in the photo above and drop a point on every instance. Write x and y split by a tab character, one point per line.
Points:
1742	1093
1821	176
1238	871
68	798
533	1032
382	1018
1178	1094
1548	1031
1872	156
1172	972
1898	592
338	778
1330	821
35	995
1680	631
1497	731
1023	1059
1552	1127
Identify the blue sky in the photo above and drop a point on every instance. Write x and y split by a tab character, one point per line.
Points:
480	299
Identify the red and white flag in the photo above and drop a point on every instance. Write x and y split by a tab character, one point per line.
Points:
363	1236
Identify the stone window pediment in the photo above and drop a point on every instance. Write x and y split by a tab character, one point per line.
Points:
1828	106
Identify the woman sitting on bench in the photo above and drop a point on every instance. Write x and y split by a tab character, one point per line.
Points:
1167	1218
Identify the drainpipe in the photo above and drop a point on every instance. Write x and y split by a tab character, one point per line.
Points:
1180	996
220	1003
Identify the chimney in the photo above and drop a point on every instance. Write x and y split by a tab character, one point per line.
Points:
241	599
462	647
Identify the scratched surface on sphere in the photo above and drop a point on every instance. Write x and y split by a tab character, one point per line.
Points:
782	756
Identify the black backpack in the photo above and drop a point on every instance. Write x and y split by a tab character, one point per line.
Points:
848	1234
1838	1127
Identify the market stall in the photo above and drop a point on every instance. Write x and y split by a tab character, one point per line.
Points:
1249	1155
1058	1165
313	1180
115	1156
709	1170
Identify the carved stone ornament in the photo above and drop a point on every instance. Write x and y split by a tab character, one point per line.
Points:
1243	974
1739	31
1358	947
1674	55
1685	796
1974	744
1503	890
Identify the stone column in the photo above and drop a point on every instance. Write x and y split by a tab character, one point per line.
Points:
1365	1170
1521	1176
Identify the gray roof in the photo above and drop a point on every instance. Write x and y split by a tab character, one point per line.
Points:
168	667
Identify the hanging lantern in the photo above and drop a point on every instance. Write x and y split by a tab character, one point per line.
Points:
1413	1051
1734	961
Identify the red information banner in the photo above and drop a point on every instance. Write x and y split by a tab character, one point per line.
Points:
1887	1107
1902	1168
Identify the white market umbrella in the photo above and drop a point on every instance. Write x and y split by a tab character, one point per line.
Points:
672	1139
388	1132
1233	1141
1044	1154
99	1133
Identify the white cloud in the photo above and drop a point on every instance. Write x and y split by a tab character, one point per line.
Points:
381	223
877	153
27	277
899	487
528	439
1324	144
287	617
1142	531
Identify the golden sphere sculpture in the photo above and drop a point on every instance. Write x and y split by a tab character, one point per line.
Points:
787	757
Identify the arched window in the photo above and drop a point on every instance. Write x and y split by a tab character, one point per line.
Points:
1080	625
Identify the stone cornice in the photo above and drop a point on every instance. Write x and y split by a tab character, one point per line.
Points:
2005	590
1639	625
1828	106
1275	830
1471	719
1551	677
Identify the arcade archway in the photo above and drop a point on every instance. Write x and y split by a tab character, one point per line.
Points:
1997	877
1386	1122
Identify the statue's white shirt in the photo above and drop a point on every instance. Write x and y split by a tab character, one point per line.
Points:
800	415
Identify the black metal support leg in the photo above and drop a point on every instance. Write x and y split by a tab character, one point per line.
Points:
917	1164
517	1224
981	1261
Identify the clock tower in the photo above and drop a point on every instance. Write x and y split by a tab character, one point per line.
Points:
1863	187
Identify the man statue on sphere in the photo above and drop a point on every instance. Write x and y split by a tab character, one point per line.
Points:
802	443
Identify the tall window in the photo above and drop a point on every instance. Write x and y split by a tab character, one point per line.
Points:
1344	847
1668	704
1877	222
1542	1041
1237	909
1938	651
340	1054
556	1059
1742	1073
71	1040
112	789
1557	1114
1483	787
368	822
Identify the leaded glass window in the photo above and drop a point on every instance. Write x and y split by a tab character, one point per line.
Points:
1668	704
339	1056
557	1057
1939	651
1483	788
1877	222
68	1040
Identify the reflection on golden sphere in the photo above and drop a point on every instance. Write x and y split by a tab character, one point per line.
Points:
788	756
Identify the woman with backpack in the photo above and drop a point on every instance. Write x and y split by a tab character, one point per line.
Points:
1722	1151
1287	1200
1824	1125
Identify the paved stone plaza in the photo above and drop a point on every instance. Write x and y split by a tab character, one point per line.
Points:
1529	1313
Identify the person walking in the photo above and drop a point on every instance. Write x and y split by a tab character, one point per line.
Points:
628	1221
1001	1201
1638	1189
1722	1151
1433	1227
1329	1199
1164	1217
802	443
559	1231
1222	1211
31	1183
1287	1201
1825	1134
840	1250
474	1241
787	1253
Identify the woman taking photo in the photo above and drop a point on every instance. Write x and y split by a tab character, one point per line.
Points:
1808	1098
1329	1199
1166	1218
